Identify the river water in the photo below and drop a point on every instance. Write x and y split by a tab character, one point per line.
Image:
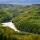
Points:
10	25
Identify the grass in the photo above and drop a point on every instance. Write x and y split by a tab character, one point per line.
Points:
9	34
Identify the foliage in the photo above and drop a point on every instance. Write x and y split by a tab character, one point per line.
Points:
9	34
26	19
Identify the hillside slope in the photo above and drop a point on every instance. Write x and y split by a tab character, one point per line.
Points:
26	18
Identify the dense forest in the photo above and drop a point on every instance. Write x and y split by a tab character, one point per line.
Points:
26	18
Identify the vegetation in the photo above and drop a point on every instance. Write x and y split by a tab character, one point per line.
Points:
26	19
9	34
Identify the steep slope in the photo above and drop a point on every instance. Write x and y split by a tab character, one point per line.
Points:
29	19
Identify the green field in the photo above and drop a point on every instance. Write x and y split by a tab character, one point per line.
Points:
25	18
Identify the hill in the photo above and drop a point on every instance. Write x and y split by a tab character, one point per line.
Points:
25	18
9	34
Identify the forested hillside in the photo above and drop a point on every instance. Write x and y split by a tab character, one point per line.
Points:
26	19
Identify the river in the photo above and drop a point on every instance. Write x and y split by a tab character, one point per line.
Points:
10	25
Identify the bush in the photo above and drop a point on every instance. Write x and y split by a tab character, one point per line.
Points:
25	25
